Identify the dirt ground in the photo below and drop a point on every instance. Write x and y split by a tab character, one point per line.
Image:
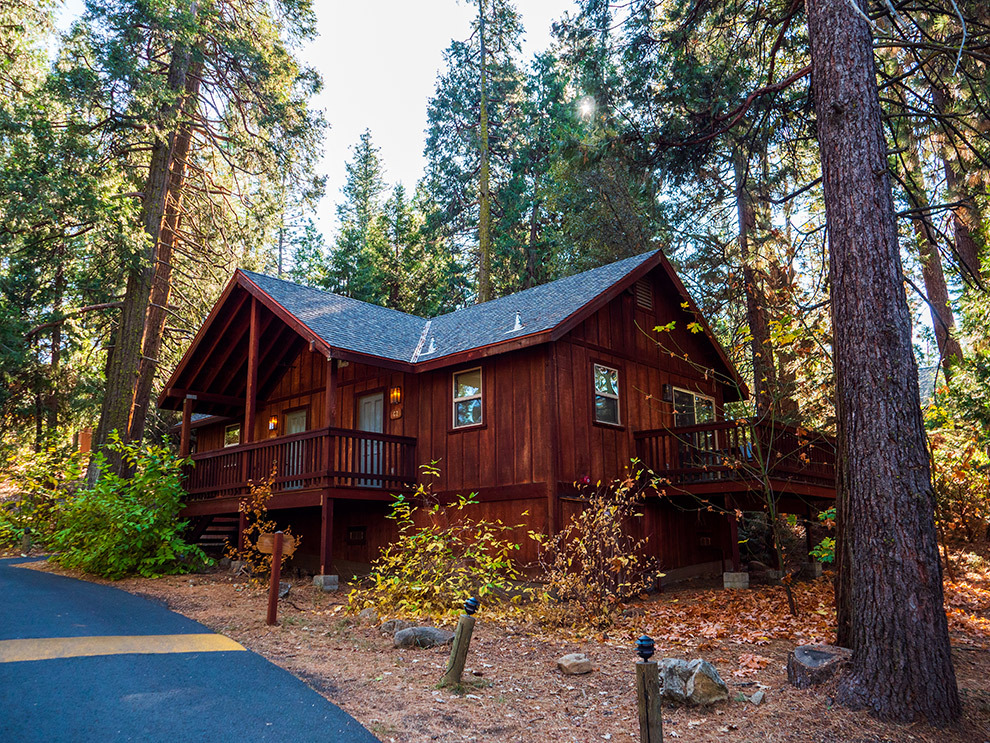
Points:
514	691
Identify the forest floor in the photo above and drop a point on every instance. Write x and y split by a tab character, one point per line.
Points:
516	693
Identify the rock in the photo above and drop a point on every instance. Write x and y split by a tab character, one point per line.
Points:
392	626
810	665
223	562
812	570
283	589
735	580
757	698
368	616
326	582
705	685
422	637
574	664
240	567
674	674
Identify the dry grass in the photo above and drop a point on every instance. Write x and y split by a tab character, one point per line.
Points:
515	692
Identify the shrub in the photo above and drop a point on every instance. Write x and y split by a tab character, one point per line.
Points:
125	526
441	558
257	522
593	564
40	482
824	551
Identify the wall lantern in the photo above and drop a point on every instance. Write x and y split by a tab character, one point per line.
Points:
395	395
273	423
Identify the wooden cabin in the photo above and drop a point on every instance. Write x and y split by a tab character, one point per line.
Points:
516	399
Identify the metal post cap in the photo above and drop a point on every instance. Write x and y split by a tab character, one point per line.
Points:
472	605
645	647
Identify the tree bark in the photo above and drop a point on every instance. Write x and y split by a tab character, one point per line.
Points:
937	292
484	186
901	665
764	369
124	363
161	286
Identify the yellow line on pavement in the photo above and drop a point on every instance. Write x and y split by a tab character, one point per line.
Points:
46	648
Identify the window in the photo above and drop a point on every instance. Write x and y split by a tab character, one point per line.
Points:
467	398
691	408
232	435
606	395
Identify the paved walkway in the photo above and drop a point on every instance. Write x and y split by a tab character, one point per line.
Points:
83	662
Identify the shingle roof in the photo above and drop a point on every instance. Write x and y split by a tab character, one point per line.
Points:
347	323
365	328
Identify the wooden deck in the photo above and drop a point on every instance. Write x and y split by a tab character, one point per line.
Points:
312	462
740	456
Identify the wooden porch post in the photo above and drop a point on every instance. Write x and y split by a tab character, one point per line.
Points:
734	535
251	393
552	440
326	535
186	426
330	417
251	397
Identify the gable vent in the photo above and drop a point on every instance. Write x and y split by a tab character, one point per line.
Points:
644	294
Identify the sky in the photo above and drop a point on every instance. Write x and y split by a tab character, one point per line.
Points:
379	62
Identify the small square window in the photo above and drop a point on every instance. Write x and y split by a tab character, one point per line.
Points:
467	398
232	435
606	394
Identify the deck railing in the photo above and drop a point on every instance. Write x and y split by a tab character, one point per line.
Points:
738	450
325	458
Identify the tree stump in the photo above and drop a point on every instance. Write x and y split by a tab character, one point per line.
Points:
811	665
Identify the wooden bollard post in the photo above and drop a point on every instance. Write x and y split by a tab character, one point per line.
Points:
276	578
648	692
462	640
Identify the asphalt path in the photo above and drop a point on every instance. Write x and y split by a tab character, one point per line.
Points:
112	666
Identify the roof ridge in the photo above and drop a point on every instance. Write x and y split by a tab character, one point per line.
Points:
333	294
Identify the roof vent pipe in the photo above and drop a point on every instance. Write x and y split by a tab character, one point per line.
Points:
518	326
433	346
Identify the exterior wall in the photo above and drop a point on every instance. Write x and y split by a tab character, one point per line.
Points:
621	336
510	447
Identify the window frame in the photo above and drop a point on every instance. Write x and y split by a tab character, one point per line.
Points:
617	423
480	396
240	436
695	396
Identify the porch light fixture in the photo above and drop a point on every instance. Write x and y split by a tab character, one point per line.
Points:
273	423
395	395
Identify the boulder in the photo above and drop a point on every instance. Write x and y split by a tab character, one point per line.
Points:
574	664
705	685
422	637
283	589
757	698
392	626
696	683
368	616
810	665
326	582
674	674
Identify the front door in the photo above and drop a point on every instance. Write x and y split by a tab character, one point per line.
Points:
295	422
371	418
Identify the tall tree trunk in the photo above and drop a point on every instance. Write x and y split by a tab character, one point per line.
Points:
161	287
532	279
484	188
55	362
944	323
124	363
901	664
966	218
764	370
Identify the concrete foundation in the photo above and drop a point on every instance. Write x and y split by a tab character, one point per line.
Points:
735	580
326	582
812	570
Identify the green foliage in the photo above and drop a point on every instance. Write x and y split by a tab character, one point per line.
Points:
592	565
441	557
129	526
960	472
824	551
41	481
257	522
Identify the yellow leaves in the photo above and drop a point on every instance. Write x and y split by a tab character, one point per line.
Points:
695	327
